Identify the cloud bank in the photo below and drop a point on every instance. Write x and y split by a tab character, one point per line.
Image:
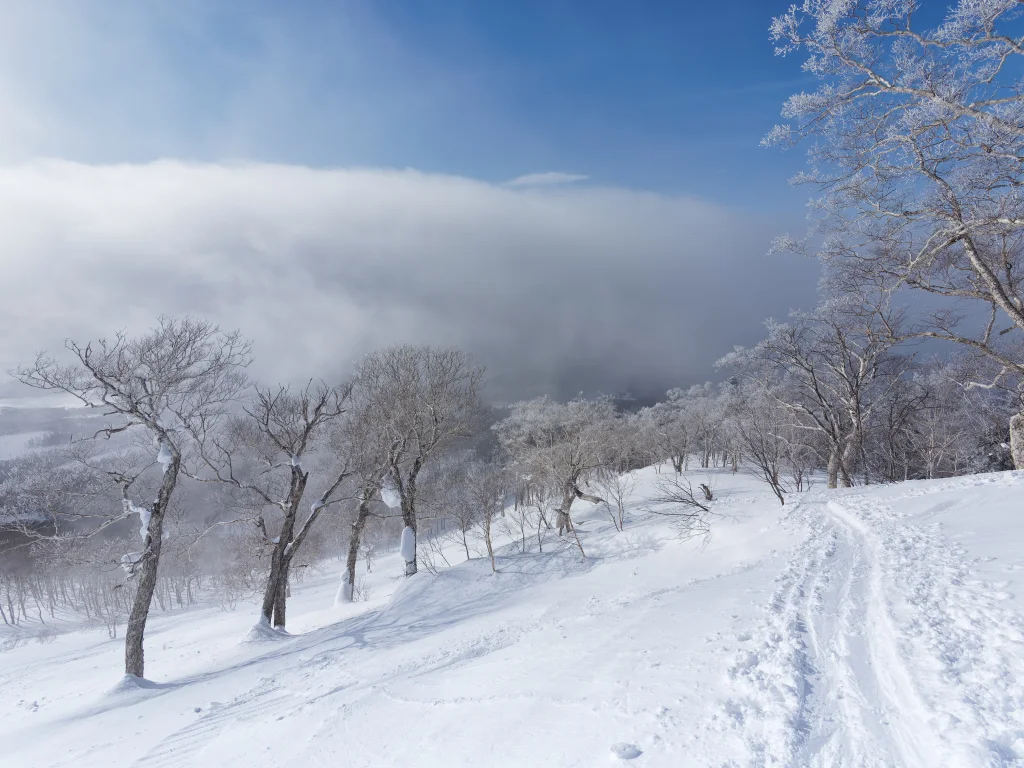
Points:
556	289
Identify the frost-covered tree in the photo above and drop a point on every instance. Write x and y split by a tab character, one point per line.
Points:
617	480
917	138
487	486
831	368
759	422
267	455
162	384
371	454
420	401
561	446
665	426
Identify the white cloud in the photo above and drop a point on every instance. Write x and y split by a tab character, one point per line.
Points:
545	179
554	289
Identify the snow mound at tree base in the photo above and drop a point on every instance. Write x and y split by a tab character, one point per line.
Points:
133	684
262	632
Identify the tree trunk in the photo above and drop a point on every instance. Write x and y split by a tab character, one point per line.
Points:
408	495
353	546
490	547
1017	440
846	461
274	595
281	599
833	468
564	519
134	655
271	589
844	473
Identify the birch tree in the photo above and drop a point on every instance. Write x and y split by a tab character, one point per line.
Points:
562	445
162	384
420	400
267	455
666	427
372	453
918	149
830	368
759	423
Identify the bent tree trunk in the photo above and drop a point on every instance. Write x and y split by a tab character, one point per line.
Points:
569	495
564	517
134	655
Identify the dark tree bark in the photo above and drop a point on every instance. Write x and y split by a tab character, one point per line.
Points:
358	525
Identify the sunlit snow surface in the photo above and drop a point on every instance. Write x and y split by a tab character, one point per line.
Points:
872	626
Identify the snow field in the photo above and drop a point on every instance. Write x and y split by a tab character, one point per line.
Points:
868	627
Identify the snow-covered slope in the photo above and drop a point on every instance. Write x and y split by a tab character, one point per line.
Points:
875	626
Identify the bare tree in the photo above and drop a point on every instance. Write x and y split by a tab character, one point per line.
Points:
162	383
918	148
830	368
617	487
678	501
488	486
666	428
264	455
373	453
560	445
421	400
760	424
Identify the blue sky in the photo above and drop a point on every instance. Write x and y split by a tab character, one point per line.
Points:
665	96
331	176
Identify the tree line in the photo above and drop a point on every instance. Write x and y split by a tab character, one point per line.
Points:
202	480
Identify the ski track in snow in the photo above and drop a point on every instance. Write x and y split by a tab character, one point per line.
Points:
184	747
879	648
881	642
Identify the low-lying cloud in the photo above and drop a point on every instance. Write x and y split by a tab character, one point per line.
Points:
557	289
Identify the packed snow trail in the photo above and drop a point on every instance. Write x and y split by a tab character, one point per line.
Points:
880	647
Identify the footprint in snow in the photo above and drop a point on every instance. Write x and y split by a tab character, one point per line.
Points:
625	751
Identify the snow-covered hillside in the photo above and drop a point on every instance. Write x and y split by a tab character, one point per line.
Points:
874	626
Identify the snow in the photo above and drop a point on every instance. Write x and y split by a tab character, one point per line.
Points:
872	626
390	497
625	751
144	514
407	547
164	457
262	632
344	591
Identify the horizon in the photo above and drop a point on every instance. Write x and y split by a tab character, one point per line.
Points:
402	175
